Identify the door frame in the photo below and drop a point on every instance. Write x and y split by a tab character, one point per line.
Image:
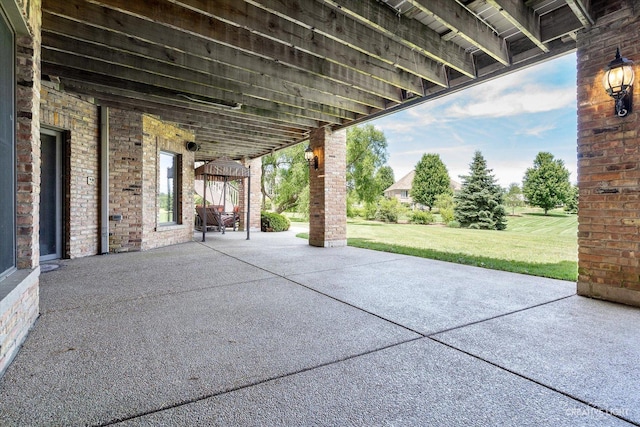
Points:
59	185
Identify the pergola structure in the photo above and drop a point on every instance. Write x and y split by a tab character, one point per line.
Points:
250	77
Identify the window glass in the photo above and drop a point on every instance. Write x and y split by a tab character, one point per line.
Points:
7	150
168	196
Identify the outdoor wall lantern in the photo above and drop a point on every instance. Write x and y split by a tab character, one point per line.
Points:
617	81
311	157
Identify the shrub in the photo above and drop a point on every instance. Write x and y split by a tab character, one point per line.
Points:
355	212
370	211
446	206
453	224
272	221
444	201
388	210
422	217
447	215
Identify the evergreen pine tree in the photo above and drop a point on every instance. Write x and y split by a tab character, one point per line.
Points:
479	203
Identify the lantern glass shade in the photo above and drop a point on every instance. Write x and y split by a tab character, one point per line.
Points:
308	154
618	79
618	76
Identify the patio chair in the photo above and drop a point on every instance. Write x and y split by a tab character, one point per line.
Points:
216	219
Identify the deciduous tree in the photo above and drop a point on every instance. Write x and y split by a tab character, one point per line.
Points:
571	205
546	184
385	178
366	154
285	179
513	197
431	180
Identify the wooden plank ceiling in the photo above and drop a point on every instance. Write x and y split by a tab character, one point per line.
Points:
249	77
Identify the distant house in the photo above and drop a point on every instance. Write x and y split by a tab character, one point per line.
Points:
401	189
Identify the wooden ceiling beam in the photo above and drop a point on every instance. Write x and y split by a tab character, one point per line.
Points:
409	32
581	10
185	114
103	39
461	22
191	82
248	138
278	45
288	63
230	126
113	86
202	136
558	24
94	68
326	22
523	18
236	153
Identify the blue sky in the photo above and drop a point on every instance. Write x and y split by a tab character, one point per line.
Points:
509	119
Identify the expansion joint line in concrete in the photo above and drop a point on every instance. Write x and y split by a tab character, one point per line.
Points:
288	279
431	336
500	315
540	383
253	384
434	337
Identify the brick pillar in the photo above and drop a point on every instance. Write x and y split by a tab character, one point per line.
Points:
126	182
19	301
328	189
256	194
608	161
28	143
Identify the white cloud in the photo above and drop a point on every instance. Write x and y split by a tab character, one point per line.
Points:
456	125
521	92
528	99
537	130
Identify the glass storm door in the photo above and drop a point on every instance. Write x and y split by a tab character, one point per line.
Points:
50	195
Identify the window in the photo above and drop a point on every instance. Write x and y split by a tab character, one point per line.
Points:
169	194
405	194
7	150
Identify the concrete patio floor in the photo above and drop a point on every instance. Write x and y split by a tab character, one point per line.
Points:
272	332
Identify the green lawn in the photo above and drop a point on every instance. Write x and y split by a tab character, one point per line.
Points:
532	243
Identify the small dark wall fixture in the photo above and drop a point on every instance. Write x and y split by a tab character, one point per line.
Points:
311	158
192	146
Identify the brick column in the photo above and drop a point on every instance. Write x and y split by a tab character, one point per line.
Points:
28	144
608	161
328	189
19	301
126	180
256	194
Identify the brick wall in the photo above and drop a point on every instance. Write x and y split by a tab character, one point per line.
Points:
159	136
608	161
255	166
80	120
328	189
28	139
18	311
125	180
19	307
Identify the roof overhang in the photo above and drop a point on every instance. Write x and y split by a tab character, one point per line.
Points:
250	77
